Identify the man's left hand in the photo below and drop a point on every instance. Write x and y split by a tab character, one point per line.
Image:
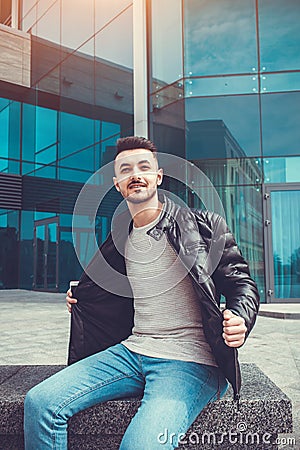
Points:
234	329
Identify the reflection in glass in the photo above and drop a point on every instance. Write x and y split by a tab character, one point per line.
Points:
51	255
77	75
40	254
280	124
9	249
48	24
286	243
279	33
76	133
246	84
220	37
77	24
220	127
4	126
231	171
280	82
45	255
166	21
114	43
243	212
29	14
282	170
46	128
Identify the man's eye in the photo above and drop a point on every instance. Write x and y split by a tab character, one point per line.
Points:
145	167
125	170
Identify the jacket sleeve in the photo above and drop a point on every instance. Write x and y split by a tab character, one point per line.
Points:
232	278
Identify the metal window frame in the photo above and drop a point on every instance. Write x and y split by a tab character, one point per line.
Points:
267	224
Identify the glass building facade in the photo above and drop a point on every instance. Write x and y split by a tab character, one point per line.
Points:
216	83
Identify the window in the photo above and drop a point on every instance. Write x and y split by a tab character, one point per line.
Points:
9	13
5	12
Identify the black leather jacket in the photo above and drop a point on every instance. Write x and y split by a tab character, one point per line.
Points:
103	315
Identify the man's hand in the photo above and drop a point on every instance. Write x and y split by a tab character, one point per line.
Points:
234	329
70	300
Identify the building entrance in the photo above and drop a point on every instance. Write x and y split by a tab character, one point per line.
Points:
282	237
46	255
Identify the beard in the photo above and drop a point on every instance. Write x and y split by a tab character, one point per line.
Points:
141	197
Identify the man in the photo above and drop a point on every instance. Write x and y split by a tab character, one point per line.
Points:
181	348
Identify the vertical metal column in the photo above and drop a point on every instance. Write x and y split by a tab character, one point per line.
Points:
15	14
140	93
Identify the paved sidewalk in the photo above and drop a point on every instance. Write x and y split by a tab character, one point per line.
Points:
35	329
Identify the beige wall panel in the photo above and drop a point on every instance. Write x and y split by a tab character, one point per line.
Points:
15	55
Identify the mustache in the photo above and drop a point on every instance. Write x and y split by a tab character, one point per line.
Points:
136	182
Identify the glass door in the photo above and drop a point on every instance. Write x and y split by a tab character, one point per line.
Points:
46	255
282	233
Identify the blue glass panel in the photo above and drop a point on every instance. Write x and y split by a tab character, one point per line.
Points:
28	134
46	156
110	134
286	243
243	212
110	130
279	33
40	232
220	37
280	124
282	170
43	215
83	162
43	171
76	133
9	254
237	171
223	127
74	175
39	170
51	255
46	127
247	84
4	127
280	82
26	250
3	165
14	136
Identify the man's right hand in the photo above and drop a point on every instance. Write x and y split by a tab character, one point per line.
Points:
70	300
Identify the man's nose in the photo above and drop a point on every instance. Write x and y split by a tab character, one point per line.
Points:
136	173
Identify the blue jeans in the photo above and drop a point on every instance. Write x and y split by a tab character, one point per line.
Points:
174	393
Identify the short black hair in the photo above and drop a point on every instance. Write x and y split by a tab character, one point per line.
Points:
134	142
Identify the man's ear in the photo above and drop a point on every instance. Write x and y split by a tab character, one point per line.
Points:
116	184
160	174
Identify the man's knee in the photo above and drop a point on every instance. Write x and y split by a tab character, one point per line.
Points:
36	401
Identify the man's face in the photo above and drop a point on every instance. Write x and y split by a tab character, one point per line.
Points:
137	175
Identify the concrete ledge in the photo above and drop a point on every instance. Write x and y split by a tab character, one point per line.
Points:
280	310
265	411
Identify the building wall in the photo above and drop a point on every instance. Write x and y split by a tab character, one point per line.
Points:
224	87
66	95
229	76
